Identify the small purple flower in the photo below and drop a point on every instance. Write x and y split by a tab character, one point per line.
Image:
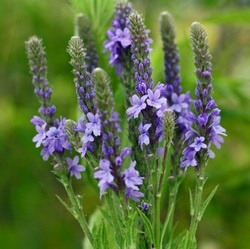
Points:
155	99
94	124
145	206
41	134
138	104
104	175
188	162
179	102
56	140
202	119
131	177
123	37
74	168
133	194
83	150
45	153
37	121
144	138
198	143
87	137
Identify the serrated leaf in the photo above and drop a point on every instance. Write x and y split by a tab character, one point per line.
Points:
147	225
207	201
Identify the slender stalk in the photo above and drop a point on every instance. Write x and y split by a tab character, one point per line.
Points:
168	224
77	210
156	209
196	217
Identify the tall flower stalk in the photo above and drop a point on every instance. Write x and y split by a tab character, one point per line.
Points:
52	134
179	103
206	129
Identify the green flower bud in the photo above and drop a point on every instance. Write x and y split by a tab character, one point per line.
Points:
168	126
72	134
202	58
103	94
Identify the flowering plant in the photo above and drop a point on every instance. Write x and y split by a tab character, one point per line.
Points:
168	131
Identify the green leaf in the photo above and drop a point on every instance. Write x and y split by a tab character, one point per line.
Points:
207	201
166	225
187	243
131	230
147	225
102	234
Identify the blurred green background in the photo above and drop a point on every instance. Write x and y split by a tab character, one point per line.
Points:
31	217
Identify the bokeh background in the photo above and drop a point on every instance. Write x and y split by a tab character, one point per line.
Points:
31	217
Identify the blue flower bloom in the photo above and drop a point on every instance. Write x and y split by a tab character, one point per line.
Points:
138	104
179	102
94	124
133	194
132	180
131	177
74	168
104	175
155	99
198	143
144	138
39	138
56	140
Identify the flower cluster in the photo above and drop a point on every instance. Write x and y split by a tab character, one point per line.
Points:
53	139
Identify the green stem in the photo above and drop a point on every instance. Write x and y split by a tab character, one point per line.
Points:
197	205
173	190
157	211
77	210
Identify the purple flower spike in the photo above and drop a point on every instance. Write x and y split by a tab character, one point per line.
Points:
74	168
138	104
